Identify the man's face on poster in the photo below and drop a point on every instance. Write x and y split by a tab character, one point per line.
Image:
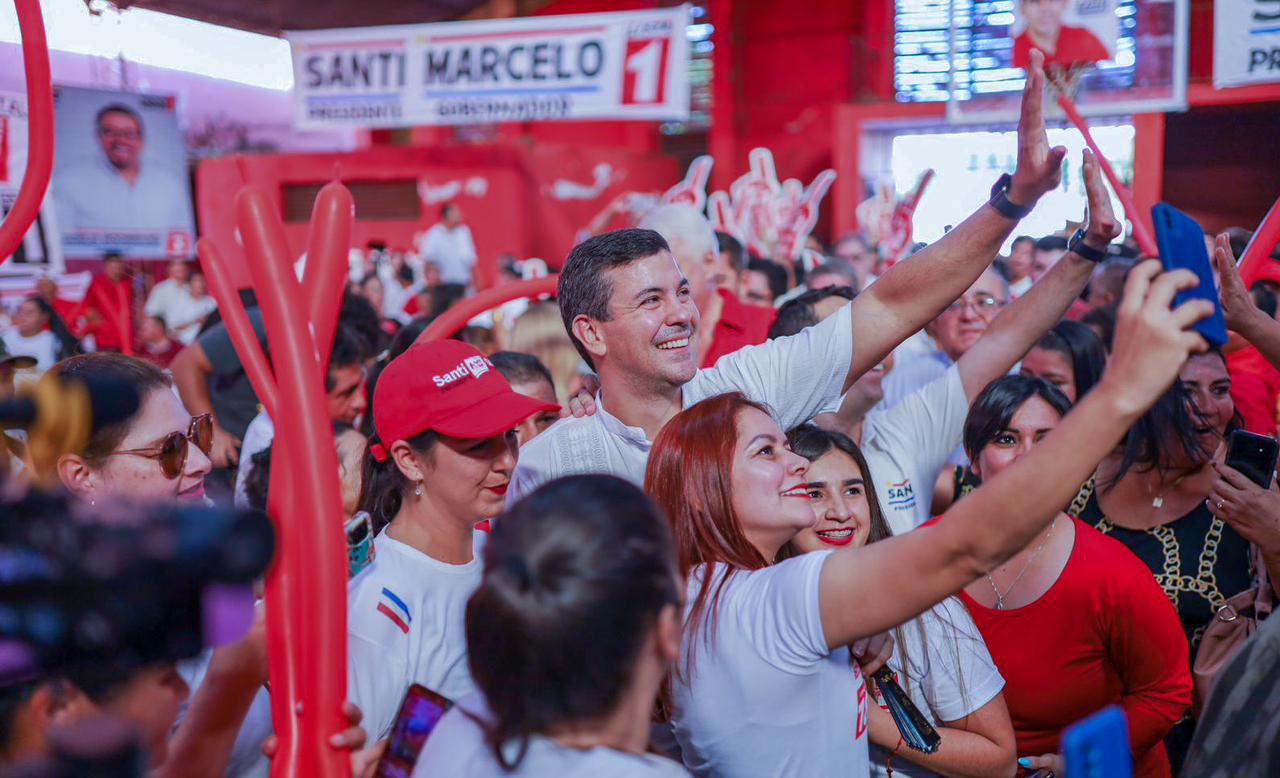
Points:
1044	17
121	137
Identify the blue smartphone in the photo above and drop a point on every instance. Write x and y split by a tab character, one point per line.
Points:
1182	246
1098	746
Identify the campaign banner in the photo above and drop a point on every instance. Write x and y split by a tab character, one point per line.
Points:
1246	42
13	146
120	177
1067	32
628	65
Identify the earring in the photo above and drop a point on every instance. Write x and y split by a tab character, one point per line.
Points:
417	490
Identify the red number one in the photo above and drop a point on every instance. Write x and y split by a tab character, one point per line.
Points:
644	72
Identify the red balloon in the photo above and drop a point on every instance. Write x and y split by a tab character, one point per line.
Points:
451	321
35	181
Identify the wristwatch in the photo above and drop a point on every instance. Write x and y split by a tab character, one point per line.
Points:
1001	202
1077	245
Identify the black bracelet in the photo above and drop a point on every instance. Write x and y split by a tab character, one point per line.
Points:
1077	245
1001	202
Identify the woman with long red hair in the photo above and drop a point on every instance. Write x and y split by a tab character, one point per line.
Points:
764	686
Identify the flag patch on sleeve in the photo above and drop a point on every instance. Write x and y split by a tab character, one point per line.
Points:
393	607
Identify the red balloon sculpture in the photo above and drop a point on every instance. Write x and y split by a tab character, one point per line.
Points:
306	588
451	321
35	180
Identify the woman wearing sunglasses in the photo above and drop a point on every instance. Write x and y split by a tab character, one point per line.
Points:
441	461
159	453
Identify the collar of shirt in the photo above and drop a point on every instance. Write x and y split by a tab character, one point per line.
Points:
614	426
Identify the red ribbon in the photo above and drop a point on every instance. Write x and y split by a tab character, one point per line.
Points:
378	451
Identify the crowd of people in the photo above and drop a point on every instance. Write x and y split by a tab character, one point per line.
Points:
675	520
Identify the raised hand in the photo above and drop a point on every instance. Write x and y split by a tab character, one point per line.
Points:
1039	167
1102	227
1238	307
1152	341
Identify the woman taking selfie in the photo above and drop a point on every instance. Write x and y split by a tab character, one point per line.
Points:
574	627
1074	621
736	495
440	463
939	657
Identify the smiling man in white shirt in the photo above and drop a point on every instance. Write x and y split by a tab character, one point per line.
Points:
628	309
449	246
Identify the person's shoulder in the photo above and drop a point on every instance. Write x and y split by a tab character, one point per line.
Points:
1102	552
379	607
548	448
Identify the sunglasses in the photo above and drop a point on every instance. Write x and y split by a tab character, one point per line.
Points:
172	451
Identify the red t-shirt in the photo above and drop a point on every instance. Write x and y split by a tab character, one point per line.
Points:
740	325
1255	389
106	297
1103	634
1075	44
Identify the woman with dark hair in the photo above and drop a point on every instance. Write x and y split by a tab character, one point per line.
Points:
1073	620
939	657
1070	356
1156	495
571	632
160	452
764	684
39	332
441	462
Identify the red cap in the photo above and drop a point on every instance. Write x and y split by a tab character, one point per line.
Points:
449	387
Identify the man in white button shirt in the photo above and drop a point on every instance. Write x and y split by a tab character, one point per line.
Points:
628	310
449	246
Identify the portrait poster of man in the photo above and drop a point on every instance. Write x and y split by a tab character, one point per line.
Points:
120	176
1067	31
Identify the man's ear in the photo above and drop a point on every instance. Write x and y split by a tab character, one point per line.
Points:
590	334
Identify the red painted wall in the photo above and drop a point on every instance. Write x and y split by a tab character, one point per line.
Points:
518	208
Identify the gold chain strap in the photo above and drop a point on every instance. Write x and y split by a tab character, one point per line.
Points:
1171	580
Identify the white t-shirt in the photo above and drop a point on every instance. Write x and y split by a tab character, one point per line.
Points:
258	436
163	294
247	759
908	444
767	697
949	673
43	346
1019	288
406	618
798	377
457	748
452	250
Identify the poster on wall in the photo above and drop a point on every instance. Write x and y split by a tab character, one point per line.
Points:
37	251
1067	31
1246	42
627	65
120	175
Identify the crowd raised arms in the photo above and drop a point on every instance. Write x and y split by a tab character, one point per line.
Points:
657	527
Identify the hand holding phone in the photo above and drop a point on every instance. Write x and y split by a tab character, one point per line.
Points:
1182	247
1253	455
419	714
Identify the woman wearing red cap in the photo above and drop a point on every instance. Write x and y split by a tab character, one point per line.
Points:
441	460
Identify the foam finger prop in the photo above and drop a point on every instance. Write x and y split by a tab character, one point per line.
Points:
35	179
898	239
1263	242
1141	232
693	189
802	215
312	622
451	321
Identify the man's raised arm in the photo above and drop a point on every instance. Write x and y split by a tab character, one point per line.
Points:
913	292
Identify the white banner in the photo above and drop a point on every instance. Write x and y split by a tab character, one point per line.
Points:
1246	42
631	65
13	146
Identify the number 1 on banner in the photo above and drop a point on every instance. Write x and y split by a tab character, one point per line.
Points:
644	78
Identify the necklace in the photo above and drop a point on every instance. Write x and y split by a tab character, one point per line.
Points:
1000	597
1158	501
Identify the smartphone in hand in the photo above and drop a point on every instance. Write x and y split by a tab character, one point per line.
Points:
421	710
1253	455
1182	247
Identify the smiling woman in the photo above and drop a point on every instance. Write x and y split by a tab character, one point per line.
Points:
440	463
159	453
